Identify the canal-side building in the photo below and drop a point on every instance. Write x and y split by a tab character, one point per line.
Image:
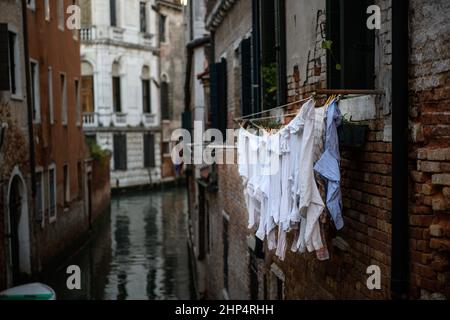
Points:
16	222
120	85
197	110
67	199
298	48
171	58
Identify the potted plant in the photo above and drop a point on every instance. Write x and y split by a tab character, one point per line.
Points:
352	134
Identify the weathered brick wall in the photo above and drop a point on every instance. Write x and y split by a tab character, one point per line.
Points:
234	28
430	156
366	174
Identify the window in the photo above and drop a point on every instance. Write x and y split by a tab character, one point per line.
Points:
117	105
47	9
52	194
66	185
218	95
61	17
146	97
162	28
87	88
50	95
351	65
120	152
77	101
225	253
149	150
113	12
277	279
166	148
268	56
39	198
9	62
31	4
165	105
63	96
143	16
35	103
246	77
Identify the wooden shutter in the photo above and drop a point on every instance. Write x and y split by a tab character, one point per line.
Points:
246	77
223	107
280	25
149	151
256	57
120	152
214	95
218	95
4	58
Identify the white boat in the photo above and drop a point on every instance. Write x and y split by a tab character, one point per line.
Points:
32	291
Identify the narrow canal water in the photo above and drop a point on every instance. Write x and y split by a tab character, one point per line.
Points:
139	253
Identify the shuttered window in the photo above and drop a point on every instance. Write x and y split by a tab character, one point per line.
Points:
113	12
120	152
117	99
143	16
353	45
246	77
149	151
146	97
219	112
5	70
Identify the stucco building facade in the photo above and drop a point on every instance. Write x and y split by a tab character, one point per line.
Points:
120	87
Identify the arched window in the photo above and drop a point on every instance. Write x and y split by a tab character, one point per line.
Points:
146	90
117	98
87	87
165	103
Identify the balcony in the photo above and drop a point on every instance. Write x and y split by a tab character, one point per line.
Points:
88	34
149	120
90	120
120	119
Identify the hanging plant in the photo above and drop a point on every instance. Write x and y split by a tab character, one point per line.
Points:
351	134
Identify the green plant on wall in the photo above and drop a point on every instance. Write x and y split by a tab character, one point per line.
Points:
269	77
327	45
98	154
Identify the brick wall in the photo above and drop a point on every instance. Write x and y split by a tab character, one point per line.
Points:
430	154
366	175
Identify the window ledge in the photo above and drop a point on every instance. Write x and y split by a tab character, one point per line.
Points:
17	97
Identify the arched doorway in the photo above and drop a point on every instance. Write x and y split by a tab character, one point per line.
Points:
18	230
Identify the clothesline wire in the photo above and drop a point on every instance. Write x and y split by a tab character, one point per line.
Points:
340	93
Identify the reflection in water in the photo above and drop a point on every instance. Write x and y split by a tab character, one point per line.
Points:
139	253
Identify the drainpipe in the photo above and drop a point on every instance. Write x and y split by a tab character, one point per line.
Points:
400	181
29	104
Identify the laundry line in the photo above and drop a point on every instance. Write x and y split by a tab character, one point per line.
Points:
342	94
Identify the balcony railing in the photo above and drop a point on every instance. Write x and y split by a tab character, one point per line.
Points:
149	120
88	33
90	119
120	119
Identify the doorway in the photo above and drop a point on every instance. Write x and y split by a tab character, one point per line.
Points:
18	232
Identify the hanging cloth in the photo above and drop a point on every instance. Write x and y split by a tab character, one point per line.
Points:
329	166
